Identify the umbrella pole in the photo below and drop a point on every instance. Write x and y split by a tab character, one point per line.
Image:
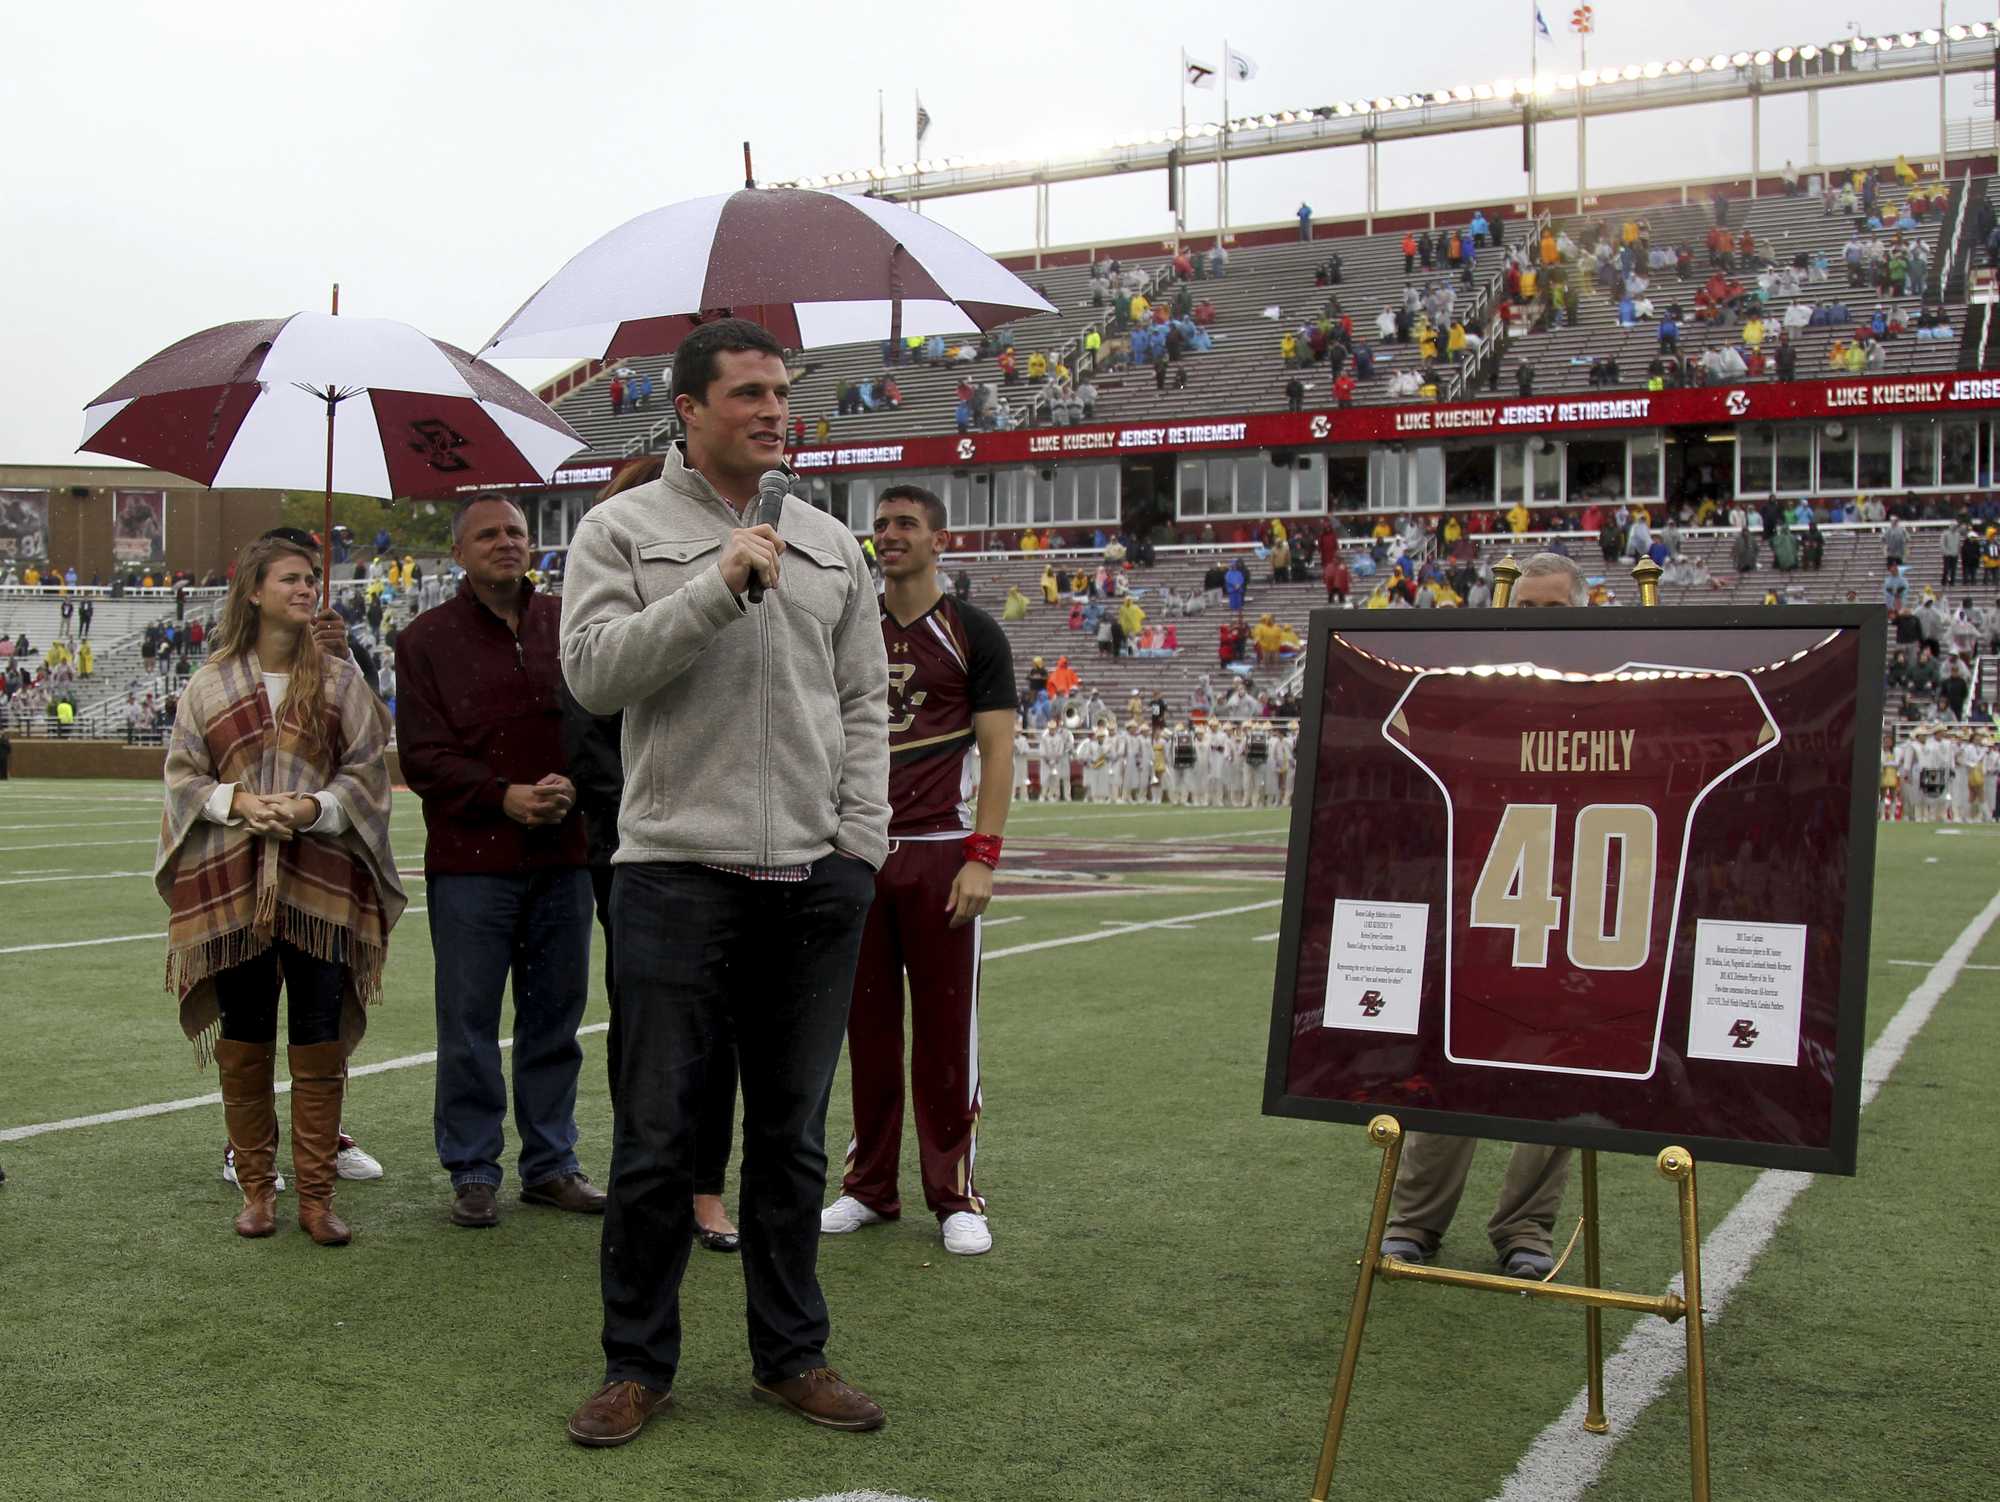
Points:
326	523
326	526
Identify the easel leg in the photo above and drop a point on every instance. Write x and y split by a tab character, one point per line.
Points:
1677	1163
1385	1133
1594	1420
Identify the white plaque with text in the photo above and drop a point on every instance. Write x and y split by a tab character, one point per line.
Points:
1375	978
1749	987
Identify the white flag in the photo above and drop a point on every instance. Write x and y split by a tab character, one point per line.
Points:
1242	67
1198	75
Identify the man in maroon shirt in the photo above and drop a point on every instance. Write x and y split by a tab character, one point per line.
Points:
479	727
951	689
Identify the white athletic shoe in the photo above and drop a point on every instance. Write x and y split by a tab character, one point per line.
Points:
967	1234
846	1214
229	1169
352	1163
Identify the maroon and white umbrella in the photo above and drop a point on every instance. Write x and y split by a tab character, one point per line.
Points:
814	268
362	406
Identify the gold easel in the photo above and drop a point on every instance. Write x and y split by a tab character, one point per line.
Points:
1676	1164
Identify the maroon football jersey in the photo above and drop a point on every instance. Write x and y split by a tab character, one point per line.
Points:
1568	809
949	664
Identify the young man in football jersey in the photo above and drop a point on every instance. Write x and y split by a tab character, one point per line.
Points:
951	690
1431	1176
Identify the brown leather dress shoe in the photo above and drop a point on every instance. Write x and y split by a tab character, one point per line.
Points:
573	1192
615	1414
475	1207
821	1396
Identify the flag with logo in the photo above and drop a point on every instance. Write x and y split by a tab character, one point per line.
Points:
1542	32
1196	74
1242	67
923	120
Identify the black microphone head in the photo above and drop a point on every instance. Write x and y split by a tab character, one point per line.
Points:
772	488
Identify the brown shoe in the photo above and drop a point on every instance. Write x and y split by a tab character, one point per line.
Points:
475	1206
250	1112
573	1192
615	1414
319	1080
821	1396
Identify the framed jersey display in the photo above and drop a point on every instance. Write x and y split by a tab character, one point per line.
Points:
1599	878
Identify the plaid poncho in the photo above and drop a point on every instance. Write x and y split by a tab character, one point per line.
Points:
231	892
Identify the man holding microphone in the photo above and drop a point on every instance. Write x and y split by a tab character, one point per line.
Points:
756	753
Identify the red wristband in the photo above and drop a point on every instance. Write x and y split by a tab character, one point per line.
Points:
984	848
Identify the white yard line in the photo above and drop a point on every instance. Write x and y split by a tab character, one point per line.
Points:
1564	1463
214	1098
1265	939
415	1060
74	845
1926	964
26	878
79	824
122	939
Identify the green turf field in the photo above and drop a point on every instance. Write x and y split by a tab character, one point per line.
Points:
1160	1316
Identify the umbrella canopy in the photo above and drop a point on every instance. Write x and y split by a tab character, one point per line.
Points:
813	268
246	406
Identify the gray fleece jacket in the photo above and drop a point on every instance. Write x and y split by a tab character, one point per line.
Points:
754	734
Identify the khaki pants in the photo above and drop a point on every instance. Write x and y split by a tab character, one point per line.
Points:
1431	1178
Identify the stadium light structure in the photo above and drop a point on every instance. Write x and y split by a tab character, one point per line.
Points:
1489	103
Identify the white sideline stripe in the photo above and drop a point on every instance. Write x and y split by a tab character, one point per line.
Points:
1925	965
861	1497
1564	1462
120	939
214	1098
84	824
28	877
412	1061
996	922
75	845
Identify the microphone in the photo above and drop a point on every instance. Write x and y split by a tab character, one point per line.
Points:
772	488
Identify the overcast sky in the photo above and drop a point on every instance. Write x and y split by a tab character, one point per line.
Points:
168	166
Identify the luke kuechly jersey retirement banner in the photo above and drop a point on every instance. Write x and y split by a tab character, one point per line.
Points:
1585	885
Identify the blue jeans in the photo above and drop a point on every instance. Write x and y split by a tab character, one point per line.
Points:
701	953
535	926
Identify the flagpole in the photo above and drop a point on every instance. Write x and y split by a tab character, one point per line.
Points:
1179	160
1534	94
917	156
881	133
1222	135
1582	62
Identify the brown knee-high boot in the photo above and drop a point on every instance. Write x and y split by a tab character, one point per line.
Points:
250	1113
319	1075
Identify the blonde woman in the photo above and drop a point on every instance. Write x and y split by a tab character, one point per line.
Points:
274	860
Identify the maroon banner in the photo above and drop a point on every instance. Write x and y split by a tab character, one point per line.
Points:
1597	880
1763	401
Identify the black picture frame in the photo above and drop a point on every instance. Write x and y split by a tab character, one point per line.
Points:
1869	622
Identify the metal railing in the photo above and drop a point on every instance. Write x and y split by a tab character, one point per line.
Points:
1068	353
1468	371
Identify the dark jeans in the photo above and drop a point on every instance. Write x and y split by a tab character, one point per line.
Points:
248	996
536	926
716	1128
701	952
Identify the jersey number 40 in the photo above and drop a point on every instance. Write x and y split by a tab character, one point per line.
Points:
1609	929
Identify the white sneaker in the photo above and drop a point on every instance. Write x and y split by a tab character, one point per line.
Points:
229	1170
352	1163
967	1234
846	1214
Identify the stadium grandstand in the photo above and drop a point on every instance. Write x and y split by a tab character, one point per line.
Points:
1426	391
1414	392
